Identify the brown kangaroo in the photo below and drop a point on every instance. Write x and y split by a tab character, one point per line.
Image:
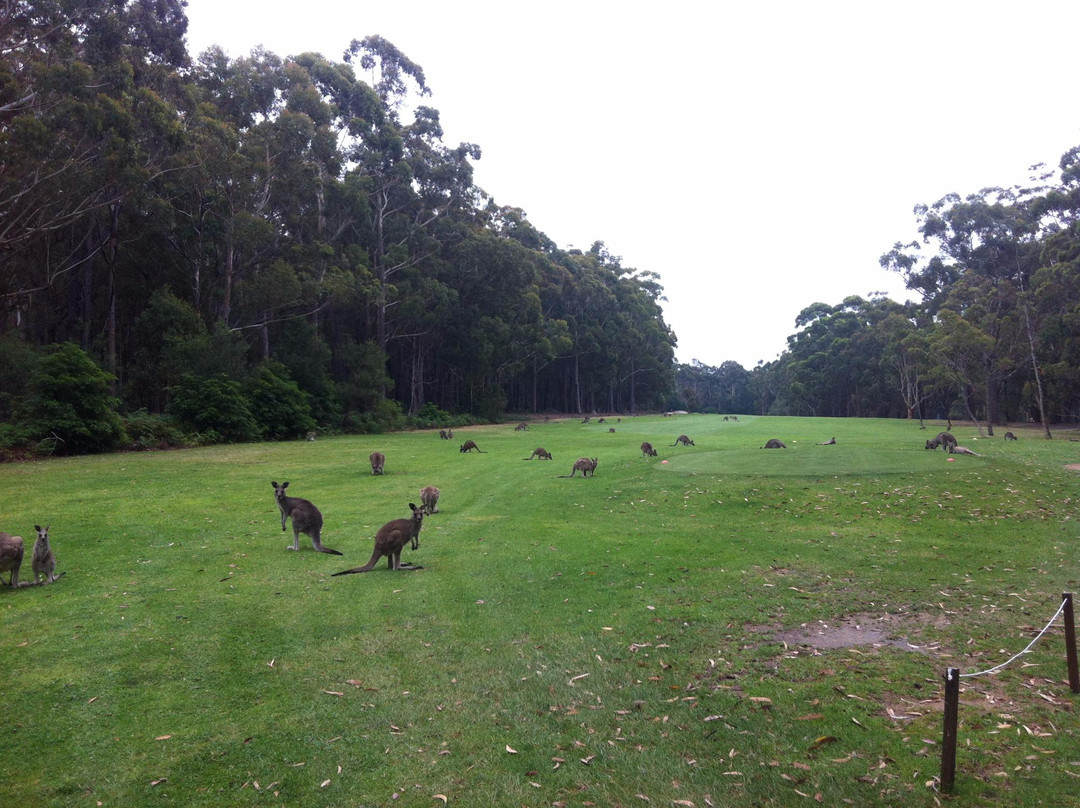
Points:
773	443
585	465
540	452
389	541
378	460
469	445
429	499
306	518
43	562
521	427
11	557
685	441
1010	436
647	450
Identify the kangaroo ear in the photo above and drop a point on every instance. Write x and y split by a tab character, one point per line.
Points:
412	507
37	528
274	483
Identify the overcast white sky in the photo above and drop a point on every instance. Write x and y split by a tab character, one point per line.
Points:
759	156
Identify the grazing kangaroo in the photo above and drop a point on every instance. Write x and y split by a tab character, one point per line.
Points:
954	449
685	441
11	556
829	442
390	540
647	450
585	465
773	443
378	460
43	562
1010	436
429	499
540	452
521	427
306	518
469	445
942	439
446	434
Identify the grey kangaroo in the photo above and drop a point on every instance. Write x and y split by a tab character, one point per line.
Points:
685	441
43	562
774	443
11	557
469	445
942	439
540	452
306	518
429	499
391	539
586	465
647	450
378	460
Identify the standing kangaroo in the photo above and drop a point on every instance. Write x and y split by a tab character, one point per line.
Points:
540	452
378	460
685	441
306	518
942	439
647	450
469	445
389	541
429	499
43	562
11	556
585	465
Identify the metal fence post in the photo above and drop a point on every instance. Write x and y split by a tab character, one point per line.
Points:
1070	643
948	736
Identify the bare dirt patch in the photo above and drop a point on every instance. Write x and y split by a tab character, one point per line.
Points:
847	632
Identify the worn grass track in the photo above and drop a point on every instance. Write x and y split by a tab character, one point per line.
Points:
659	631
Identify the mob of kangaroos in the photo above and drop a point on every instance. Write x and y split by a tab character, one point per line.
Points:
389	541
306	518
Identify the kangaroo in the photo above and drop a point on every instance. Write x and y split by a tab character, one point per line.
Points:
378	460
43	562
11	557
540	452
311	435
1010	436
306	518
647	450
611	429
585	465
830	442
443	435
954	449
469	445
942	439
429	499
685	441
773	443
601	420
521	427
389	541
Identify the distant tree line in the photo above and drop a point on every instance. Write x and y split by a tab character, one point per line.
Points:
994	337
262	246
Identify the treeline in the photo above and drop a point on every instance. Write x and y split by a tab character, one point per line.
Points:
256	247
993	339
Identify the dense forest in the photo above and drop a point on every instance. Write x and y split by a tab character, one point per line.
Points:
195	248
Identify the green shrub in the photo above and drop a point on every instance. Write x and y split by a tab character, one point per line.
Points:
215	407
280	408
68	407
148	431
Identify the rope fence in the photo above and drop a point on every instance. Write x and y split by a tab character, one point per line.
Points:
953	677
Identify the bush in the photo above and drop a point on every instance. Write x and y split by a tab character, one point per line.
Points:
68	407
215	407
153	431
280	408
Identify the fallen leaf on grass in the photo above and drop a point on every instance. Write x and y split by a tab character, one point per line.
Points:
324	784
333	693
441	797
588	760
511	751
162	737
820	742
685	803
159	782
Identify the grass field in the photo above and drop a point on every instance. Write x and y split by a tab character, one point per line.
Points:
720	625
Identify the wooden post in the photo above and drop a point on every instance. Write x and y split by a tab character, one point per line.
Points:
948	736
1070	643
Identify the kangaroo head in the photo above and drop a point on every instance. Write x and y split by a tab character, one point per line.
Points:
42	534
279	490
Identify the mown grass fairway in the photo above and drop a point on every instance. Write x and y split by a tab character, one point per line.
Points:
736	626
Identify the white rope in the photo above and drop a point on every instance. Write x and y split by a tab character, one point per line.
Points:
1038	636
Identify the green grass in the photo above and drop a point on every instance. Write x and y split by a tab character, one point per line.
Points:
640	634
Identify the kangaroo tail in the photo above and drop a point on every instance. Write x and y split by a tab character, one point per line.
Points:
365	568
330	550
